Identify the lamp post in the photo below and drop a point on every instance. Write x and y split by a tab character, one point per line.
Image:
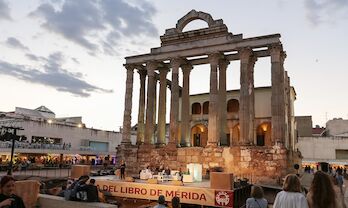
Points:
13	138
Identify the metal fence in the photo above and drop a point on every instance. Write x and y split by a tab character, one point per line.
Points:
44	172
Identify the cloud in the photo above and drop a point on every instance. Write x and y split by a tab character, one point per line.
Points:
34	57
52	75
4	11
15	43
323	11
98	26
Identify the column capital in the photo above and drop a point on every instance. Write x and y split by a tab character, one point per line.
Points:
245	54
186	68
282	56
214	58
130	67
275	51
150	67
253	59
164	70
223	63
142	73
176	62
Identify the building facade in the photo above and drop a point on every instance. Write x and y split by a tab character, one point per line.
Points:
45	135
331	145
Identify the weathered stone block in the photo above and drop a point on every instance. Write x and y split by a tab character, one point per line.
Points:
188	159
245	153
181	152
244	164
213	164
195	159
246	159
218	154
181	158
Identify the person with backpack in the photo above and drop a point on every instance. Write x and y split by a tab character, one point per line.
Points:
78	190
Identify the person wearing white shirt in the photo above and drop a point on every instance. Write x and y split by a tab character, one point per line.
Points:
291	196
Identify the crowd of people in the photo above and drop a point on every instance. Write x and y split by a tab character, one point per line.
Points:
318	190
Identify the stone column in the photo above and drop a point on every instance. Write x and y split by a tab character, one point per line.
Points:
288	110
213	123
246	97
185	106
127	114
278	94
251	91
149	131
161	126
174	101
153	140
141	112
222	101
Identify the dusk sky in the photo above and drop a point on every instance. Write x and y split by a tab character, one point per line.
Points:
68	55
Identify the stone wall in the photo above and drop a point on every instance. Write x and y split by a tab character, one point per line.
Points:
265	165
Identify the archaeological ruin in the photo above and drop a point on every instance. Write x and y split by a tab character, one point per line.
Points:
250	131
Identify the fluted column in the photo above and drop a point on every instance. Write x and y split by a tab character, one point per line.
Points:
141	112
174	101
149	131
127	114
278	94
246	97
222	101
213	123
185	106
287	110
251	91
161	133
153	140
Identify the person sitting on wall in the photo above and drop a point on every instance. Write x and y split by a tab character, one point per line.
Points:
7	197
92	191
167	171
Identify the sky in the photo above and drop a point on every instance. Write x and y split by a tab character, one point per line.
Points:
68	55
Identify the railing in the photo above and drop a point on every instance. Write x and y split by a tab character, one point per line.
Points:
240	195
42	172
26	145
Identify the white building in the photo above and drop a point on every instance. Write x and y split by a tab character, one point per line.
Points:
44	134
332	148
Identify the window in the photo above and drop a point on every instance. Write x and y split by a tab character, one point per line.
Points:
46	140
341	154
206	107
99	146
233	106
196	109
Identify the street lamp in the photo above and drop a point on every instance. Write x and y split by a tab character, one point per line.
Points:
13	138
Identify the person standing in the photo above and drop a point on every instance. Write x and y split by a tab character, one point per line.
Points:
340	180
161	202
291	196
7	197
257	199
306	179
176	202
322	194
123	169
